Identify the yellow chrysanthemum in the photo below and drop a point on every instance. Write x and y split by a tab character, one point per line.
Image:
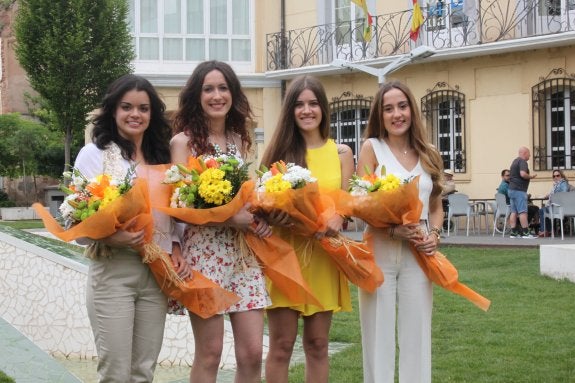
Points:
211	174
277	184
390	182
215	191
110	194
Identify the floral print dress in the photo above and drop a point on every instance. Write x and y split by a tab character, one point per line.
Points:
214	251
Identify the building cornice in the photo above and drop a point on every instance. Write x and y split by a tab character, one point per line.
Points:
255	80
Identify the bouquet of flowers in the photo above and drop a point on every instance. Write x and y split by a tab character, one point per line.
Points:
213	189
386	200
292	189
96	208
209	183
85	197
282	176
383	200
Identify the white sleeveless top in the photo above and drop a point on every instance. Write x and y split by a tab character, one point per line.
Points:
392	165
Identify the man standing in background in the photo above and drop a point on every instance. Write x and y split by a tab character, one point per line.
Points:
518	185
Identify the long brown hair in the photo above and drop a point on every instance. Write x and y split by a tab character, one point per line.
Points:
430	159
191	119
287	143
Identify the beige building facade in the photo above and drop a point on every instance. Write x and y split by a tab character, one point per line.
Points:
501	76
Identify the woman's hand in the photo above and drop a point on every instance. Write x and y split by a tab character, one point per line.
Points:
428	245
278	217
261	228
410	233
123	238
183	269
243	219
333	226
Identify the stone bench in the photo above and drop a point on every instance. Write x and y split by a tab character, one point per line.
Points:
557	261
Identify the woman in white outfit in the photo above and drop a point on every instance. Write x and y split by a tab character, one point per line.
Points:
397	140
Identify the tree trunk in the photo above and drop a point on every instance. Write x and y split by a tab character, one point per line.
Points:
67	148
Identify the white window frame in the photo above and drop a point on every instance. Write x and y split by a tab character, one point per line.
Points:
162	66
565	147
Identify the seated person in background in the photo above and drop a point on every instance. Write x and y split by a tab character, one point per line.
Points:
448	188
560	184
503	187
448	183
532	216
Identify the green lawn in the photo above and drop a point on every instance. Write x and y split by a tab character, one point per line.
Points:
527	335
24	224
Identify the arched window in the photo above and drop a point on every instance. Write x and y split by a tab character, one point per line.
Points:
349	115
444	111
554	122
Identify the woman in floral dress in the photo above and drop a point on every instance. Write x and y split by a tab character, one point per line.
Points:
211	120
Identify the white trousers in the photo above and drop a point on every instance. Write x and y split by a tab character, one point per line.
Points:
407	292
127	311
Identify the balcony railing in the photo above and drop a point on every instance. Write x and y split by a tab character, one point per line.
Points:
445	26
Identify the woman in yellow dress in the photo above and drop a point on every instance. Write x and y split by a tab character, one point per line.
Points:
302	137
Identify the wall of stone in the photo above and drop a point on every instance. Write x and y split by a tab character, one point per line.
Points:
42	294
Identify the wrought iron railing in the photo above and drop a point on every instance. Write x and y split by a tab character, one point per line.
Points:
445	26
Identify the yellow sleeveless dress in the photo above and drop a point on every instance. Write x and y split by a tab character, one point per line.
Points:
328	285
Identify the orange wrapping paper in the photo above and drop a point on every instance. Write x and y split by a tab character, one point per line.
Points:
400	207
132	212
278	259
310	208
355	260
442	272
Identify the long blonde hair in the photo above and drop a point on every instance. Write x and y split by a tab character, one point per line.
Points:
430	159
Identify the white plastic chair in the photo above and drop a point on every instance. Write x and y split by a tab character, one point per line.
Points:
501	210
562	206
483	209
459	206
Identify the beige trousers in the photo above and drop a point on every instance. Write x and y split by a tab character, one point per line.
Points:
127	311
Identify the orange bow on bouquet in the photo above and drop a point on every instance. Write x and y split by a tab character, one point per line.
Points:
290	188
387	201
98	208
191	201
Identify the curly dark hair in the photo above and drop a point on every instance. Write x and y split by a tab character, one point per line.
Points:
191	119
156	141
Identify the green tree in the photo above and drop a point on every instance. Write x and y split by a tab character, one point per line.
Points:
71	50
29	149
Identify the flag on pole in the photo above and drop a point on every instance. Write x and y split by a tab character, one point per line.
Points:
416	21
368	18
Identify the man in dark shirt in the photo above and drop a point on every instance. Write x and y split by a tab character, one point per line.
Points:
518	184
504	185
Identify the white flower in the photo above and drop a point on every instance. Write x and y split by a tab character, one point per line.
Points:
296	175
78	181
65	208
359	187
173	175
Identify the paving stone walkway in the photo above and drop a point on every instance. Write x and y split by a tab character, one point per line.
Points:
26	363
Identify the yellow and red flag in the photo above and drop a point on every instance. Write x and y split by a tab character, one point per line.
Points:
416	21
368	18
